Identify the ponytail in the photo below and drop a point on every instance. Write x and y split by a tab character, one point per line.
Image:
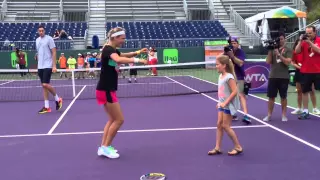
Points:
230	69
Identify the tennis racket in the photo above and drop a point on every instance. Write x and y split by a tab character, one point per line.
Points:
153	176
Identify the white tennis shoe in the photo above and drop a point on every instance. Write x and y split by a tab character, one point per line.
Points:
108	152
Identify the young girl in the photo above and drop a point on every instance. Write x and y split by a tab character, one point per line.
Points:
153	61
227	106
106	91
297	62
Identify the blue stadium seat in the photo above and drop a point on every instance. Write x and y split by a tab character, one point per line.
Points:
165	31
19	32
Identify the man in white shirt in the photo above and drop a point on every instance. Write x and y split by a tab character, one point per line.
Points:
46	51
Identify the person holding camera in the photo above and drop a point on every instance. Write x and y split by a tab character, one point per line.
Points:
297	63
279	57
308	46
237	55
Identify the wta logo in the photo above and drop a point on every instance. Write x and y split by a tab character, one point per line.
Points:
257	75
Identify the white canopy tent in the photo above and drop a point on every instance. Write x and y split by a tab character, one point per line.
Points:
263	20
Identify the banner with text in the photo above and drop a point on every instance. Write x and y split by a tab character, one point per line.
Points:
258	74
212	50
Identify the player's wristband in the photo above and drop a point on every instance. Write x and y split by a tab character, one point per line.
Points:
138	52
136	60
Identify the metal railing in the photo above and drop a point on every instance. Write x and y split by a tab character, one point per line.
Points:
31	45
244	28
3	9
61	11
295	35
212	9
300	5
185	7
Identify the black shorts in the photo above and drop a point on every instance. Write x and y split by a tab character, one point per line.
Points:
308	79
133	72
45	75
297	76
91	64
278	84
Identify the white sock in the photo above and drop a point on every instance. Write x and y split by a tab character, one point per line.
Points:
306	110
129	79
46	103
56	97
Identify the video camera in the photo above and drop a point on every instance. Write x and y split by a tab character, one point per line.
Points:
305	36
229	47
273	43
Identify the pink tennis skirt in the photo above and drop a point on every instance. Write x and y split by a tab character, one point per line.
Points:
104	97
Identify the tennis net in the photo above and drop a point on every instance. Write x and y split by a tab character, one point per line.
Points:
171	79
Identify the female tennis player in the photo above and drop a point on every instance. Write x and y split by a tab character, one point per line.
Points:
297	61
108	85
227	106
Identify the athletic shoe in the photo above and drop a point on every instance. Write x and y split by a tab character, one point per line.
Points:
59	104
44	110
129	81
235	118
297	111
135	81
304	116
107	152
246	119
316	111
284	119
266	119
113	149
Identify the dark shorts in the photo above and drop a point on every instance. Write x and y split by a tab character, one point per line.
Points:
106	96
297	76
45	75
91	64
133	72
226	111
308	79
276	85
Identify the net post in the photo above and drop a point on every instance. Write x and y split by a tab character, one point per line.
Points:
73	84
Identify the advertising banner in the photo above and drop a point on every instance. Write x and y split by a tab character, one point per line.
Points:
212	50
258	74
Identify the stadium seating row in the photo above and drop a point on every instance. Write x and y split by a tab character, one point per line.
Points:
149	33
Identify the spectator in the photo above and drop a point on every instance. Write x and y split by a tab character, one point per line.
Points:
63	65
279	59
297	63
56	34
21	60
310	71
80	64
71	63
238	56
6	42
63	35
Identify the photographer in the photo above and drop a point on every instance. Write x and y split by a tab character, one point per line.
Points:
279	57
238	56
308	46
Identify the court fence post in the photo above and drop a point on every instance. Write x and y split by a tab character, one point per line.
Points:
73	84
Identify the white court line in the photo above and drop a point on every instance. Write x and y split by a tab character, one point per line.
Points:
65	111
264	99
129	131
59	86
267	124
6	82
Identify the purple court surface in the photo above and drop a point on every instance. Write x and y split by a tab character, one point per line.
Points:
169	134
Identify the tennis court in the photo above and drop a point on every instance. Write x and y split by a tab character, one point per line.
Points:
170	123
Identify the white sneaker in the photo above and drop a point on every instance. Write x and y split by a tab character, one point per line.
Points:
284	119
316	111
107	152
297	111
266	119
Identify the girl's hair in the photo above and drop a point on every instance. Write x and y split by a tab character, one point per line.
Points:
112	31
295	44
223	59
